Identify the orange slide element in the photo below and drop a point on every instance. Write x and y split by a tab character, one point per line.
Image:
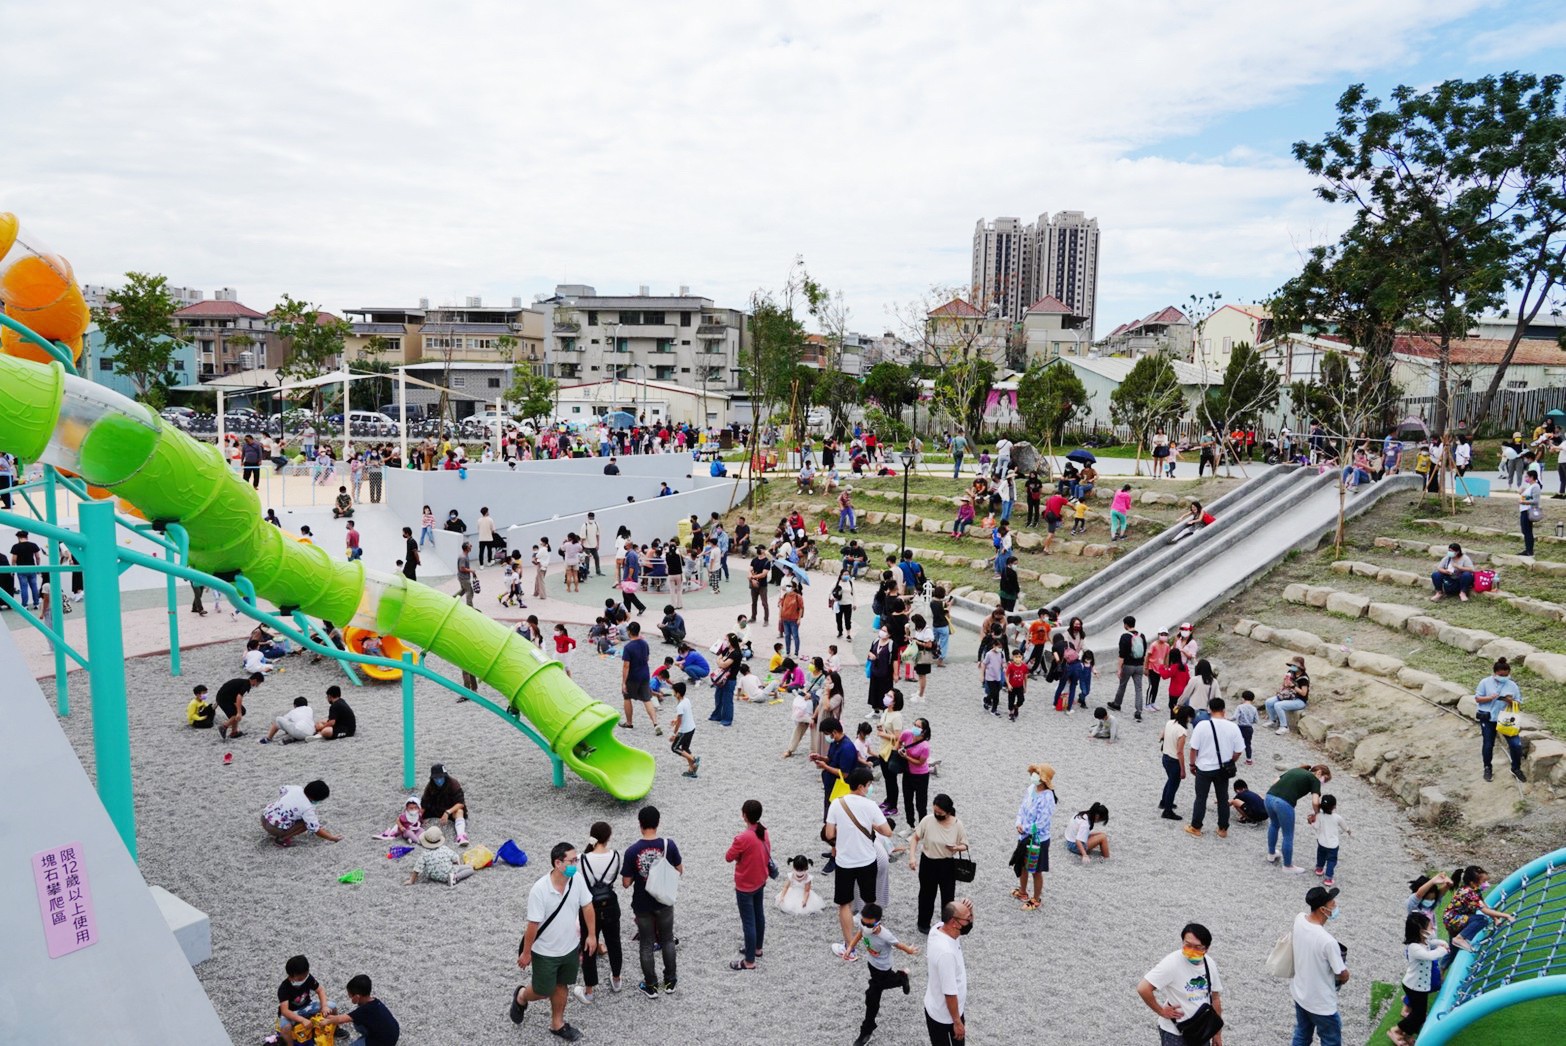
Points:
38	288
391	647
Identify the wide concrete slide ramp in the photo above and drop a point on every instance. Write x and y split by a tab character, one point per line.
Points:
132	985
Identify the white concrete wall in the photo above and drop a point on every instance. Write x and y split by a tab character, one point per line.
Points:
135	984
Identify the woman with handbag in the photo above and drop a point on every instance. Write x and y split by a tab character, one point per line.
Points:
1184	989
1034	818
890	731
601	869
915	750
924	652
937	841
751	855
1530	509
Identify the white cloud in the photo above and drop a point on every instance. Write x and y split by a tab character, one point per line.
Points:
360	153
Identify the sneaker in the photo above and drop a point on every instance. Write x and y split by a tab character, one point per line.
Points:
1518	774
1318	871
616	985
388	834
668	986
1170	815
264	741
844	953
1273	858
1223	833
647	991
1328	882
657	731
462	840
689	773
829	867
518	1009
582	996
903	976
1489	775
1293	870
566	1032
1192	830
1282	731
1136	718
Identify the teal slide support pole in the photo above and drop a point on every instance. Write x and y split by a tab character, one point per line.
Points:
106	654
179	553
58	584
409	776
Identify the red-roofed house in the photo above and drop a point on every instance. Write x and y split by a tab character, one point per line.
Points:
1050	328
957	329
1167	329
229	337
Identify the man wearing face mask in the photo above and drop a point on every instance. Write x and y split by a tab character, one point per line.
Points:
946	995
444	801
1181	983
1319	971
550	944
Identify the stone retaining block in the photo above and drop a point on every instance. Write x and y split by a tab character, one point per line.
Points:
1347	604
1549	666
1375	664
1391	615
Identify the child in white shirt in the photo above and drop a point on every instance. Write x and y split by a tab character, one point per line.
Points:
511	586
1329	829
798	895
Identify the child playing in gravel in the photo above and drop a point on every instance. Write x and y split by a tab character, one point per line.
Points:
437	862
408	822
798	894
1329	827
369	1016
599	636
1106	725
879	942
1251	808
683	729
300	996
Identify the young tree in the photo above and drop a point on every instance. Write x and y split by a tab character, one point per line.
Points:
1348	399
964	343
138	324
892	385
1437	171
1049	396
1249	391
838	393
533	394
777	339
1148	399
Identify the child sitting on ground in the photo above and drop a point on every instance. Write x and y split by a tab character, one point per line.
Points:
831	662
1106	725
408	822
798	895
599	636
437	862
369	1017
343	507
777	659
300	996
200	712
1250	807
297	724
255	660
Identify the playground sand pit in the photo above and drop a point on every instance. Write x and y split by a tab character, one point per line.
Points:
444	959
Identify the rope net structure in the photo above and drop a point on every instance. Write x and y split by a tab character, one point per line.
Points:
1512	962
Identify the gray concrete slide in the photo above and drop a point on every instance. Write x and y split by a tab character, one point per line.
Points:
134	985
1167	581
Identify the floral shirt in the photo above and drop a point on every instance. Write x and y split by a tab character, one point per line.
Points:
436	865
289	808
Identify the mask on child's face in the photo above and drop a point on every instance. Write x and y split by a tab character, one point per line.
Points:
296	984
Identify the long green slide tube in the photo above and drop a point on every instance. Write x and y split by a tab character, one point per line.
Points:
113	442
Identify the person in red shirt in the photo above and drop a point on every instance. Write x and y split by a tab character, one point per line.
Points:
564	645
1054	510
1016	683
751	853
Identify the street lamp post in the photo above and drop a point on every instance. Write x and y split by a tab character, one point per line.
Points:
908	460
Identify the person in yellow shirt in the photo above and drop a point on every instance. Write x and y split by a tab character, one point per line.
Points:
200	713
1079	516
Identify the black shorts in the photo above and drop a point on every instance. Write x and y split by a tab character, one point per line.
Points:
1052	520
682	743
921	669
638	691
849	879
229	711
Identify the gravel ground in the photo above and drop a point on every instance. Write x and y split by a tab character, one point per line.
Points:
444	960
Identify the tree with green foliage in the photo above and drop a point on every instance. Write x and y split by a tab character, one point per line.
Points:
1248	393
1148	399
532	393
138	326
1049	397
838	393
315	340
892	385
1436	173
962	389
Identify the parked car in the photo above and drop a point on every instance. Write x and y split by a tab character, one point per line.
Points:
180	417
416	411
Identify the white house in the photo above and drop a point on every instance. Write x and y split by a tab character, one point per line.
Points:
1102	376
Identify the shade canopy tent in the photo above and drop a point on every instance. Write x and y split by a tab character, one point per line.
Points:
620	419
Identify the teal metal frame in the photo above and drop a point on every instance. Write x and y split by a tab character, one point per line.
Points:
1449	1015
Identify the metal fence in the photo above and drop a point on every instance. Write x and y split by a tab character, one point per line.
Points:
1512	408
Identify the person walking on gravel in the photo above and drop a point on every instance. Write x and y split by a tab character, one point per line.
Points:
654	918
1319	971
552	939
946	994
1133	655
1182	983
1497	700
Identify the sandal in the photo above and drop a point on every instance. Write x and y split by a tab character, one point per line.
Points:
739	964
1019	895
1030	905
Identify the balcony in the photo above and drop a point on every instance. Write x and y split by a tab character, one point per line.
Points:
645	330
567	327
712	330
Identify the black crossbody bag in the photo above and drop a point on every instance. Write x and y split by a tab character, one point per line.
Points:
1201	1026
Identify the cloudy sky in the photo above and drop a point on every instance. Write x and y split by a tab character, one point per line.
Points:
374	153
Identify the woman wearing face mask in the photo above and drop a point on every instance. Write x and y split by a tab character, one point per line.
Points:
883	663
937	840
890	731
924	651
1034	818
915	750
600	870
1182	982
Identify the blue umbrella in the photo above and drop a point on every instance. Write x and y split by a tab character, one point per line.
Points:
799	571
620	419
1081	457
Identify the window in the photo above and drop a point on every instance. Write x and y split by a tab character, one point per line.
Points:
595	342
685	321
578	410
622	345
459	382
652	318
1228	344
106	363
179	364
592	321
630	317
687	341
493	383
665	345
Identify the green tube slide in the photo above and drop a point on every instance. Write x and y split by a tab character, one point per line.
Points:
116	443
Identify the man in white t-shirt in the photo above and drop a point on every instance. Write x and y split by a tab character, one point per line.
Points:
946	994
1181	982
553	936
851	824
297	724
1319	971
1212	747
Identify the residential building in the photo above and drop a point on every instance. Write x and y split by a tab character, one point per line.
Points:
97	294
1166	330
1050	329
680	338
475	384
97	363
1016	264
1227	327
229	336
394	332
1102	376
651	401
958	330
1064	263
1001	250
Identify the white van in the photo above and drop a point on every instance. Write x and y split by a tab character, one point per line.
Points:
369	419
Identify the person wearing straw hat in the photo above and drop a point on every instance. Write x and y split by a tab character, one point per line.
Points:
437	862
1033	827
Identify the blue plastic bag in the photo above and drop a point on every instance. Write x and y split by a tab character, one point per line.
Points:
511	853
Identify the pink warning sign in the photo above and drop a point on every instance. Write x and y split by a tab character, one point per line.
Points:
64	900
